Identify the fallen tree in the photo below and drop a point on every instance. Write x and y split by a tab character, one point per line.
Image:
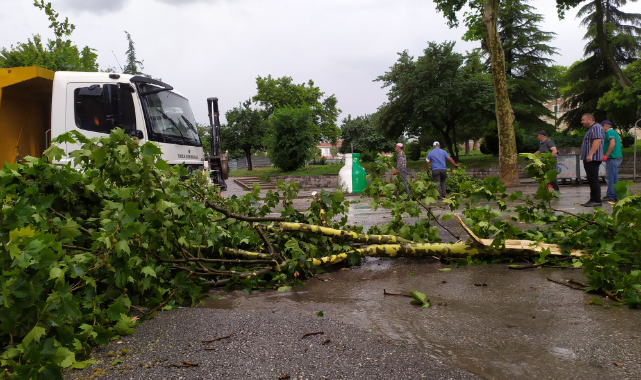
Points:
117	228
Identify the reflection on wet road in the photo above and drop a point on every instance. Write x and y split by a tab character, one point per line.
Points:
519	326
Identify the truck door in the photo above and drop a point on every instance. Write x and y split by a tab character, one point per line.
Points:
96	109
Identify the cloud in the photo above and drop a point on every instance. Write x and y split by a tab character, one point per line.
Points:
103	6
93	6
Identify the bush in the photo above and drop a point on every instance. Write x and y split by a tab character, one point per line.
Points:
490	142
318	161
563	140
413	151
291	138
627	139
530	144
369	156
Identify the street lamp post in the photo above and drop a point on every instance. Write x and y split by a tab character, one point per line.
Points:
634	157
556	108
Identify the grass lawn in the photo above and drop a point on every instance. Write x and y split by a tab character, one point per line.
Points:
270	170
630	151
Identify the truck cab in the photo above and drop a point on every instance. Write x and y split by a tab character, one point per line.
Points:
37	105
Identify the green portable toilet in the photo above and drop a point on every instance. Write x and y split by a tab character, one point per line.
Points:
352	175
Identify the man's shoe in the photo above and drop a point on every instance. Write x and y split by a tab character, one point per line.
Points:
592	204
609	199
586	204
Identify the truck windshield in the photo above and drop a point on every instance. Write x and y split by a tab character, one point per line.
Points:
171	118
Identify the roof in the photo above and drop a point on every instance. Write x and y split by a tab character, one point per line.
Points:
339	143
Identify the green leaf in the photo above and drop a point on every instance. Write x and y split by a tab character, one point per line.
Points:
445	269
116	362
64	357
148	271
123	246
284	288
320	314
103	336
83	364
115	310
34	335
418	296
124	325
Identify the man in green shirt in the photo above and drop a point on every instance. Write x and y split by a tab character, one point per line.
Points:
612	156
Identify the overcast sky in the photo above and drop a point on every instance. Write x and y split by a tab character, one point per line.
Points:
217	48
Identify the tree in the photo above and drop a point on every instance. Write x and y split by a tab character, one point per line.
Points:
56	55
274	94
291	137
204	133
438	93
488	12
588	80
364	134
527	63
132	66
619	106
606	29
245	131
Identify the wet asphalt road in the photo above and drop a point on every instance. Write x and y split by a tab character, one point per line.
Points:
518	326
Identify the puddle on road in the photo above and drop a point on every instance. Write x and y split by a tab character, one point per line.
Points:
518	326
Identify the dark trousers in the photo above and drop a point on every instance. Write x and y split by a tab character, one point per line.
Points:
439	176
592	172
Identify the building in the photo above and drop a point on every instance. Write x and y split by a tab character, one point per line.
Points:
556	107
326	150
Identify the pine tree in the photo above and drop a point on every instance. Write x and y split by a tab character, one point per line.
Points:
590	79
527	62
132	65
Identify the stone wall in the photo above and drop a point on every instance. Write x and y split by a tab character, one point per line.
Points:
626	165
309	181
493	171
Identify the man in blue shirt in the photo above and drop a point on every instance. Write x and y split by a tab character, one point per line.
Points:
592	155
437	157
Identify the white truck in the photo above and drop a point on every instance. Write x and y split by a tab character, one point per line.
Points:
37	105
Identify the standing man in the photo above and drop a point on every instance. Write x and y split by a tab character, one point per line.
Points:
401	167
547	146
592	155
437	157
612	156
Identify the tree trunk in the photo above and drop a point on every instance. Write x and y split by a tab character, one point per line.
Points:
449	145
467	147
248	155
508	164
602	40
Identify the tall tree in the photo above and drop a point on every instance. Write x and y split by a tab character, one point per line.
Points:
614	40
438	93
609	28
527	62
291	140
244	131
274	94
59	54
132	65
364	134
488	12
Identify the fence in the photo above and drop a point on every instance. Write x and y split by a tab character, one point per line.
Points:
241	163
